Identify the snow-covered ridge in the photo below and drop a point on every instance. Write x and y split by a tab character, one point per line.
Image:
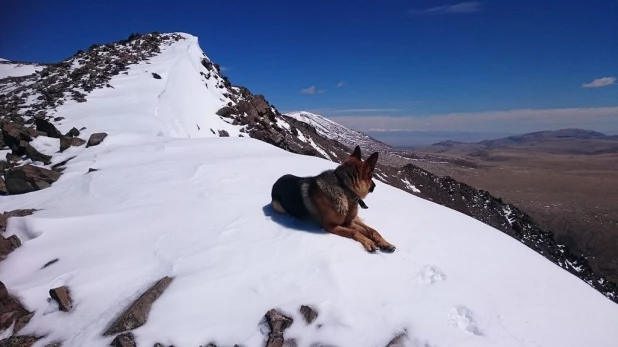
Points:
16	69
338	132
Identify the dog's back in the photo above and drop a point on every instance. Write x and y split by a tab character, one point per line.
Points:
290	194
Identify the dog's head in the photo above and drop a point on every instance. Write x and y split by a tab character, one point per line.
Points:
361	172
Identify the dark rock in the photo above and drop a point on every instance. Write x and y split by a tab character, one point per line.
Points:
48	128
156	76
58	119
63	297
225	111
308	313
92	170
13	133
15	241
73	133
95	139
51	262
137	314
11	311
6	247
124	340
33	153
22	321
18	341
54	344
278	323
66	142
223	133
399	340
3	190
28	178
12	158
4	217
58	166
3	165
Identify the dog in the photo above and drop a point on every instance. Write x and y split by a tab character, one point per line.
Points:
331	199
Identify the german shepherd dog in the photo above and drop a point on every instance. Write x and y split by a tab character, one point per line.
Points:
331	199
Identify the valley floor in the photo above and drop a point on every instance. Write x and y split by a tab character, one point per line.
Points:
572	195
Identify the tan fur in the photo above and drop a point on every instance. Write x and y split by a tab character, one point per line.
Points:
347	224
277	206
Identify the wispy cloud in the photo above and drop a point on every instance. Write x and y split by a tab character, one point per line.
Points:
340	84
312	90
521	120
224	68
600	82
462	7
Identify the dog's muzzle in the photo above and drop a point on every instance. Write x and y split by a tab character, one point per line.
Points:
372	187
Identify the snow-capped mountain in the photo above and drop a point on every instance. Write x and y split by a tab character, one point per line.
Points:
158	231
338	132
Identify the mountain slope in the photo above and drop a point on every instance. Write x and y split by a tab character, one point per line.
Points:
203	219
173	191
338	132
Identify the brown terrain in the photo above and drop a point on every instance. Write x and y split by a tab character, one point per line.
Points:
566	180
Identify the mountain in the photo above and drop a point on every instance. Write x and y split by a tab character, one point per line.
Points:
567	141
335	131
138	181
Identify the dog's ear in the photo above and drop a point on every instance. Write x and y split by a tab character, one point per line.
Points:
357	153
371	162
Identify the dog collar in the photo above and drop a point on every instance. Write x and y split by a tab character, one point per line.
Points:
361	202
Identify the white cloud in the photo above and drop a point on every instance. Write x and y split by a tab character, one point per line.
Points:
224	68
600	82
462	7
340	84
312	90
521	120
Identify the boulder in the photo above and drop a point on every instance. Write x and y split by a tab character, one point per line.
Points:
308	313
96	139
278	323
66	142
13	133
124	340
137	314
3	190
28	178
18	341
72	133
33	153
48	128
156	76
223	133
63	297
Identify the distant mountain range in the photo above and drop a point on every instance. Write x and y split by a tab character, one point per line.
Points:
576	141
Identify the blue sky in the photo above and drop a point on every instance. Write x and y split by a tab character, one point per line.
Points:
369	65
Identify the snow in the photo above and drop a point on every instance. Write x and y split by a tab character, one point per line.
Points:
171	200
336	131
191	208
10	69
180	104
410	186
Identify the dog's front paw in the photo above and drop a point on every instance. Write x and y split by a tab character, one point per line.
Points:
387	247
370	246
